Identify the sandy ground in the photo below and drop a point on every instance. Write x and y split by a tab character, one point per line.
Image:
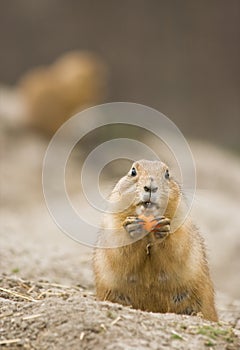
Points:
59	317
34	249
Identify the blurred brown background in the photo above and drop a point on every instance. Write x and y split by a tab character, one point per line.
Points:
181	57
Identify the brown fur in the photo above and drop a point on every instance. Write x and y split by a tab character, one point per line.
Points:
169	275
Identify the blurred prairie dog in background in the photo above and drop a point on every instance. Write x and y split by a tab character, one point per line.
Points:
46	96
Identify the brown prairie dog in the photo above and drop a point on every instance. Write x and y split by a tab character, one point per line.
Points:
162	270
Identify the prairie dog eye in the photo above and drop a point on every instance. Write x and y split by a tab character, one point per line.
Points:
167	174
133	172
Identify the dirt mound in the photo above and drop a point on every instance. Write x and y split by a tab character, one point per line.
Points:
43	315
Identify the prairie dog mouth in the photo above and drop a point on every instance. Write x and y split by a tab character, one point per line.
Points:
148	204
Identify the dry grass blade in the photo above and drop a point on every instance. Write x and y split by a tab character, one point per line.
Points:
11	292
103	326
30	317
6	314
115	321
9	341
50	293
82	335
31	289
57	285
176	335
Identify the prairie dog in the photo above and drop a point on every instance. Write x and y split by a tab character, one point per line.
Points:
163	269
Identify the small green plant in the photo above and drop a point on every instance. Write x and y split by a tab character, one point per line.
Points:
15	270
215	333
209	343
111	314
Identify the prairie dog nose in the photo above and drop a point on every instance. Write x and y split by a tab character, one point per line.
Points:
150	187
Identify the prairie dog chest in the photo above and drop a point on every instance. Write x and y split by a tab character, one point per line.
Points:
146	267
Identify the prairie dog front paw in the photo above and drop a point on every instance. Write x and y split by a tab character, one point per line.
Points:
134	226
162	227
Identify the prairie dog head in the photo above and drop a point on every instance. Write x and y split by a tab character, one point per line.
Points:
148	184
